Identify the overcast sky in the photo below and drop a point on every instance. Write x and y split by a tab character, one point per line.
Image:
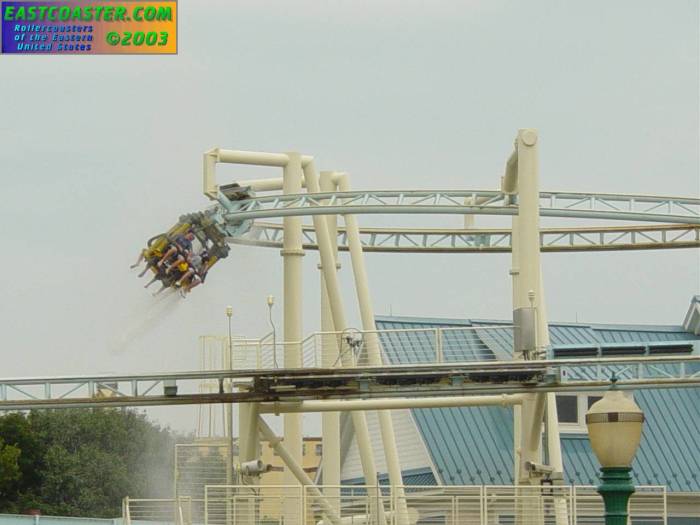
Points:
99	153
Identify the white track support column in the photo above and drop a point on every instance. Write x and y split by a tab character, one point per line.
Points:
386	424
554	455
552	421
297	470
248	450
529	287
359	421
469	219
329	354
292	253
517	410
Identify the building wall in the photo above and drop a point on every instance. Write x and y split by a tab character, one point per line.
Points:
412	451
273	504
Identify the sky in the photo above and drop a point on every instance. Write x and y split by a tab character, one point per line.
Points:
99	153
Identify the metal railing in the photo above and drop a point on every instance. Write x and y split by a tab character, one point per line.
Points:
176	511
476	358
426	505
400	346
198	465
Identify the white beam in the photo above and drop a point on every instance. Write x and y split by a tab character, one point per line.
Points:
525	163
390	404
328	260
330	423
386	425
292	253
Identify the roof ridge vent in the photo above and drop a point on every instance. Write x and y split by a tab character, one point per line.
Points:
692	317
671	348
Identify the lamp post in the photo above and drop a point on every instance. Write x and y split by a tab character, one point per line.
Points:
270	304
615	429
229	423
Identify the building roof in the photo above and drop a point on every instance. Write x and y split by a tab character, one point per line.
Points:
500	342
692	319
475	445
422	477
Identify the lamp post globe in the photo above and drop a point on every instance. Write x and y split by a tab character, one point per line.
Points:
615	430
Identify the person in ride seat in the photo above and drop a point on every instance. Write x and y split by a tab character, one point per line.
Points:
181	246
149	254
179	265
199	265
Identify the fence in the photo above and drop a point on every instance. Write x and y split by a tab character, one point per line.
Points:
176	511
444	505
198	465
354	347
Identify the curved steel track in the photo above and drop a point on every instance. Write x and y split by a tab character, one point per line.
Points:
677	218
443	240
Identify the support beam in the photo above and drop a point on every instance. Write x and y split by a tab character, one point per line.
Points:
331	460
255	158
295	468
528	282
248	450
517	410
328	260
292	253
386	425
390	404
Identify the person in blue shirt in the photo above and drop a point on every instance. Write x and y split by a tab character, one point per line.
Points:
182	246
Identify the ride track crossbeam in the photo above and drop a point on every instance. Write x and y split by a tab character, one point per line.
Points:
453	240
645	208
389	381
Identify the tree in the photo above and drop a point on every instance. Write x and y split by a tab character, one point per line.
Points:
83	462
9	468
16	432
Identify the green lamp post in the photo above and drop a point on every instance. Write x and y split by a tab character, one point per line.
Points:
615	429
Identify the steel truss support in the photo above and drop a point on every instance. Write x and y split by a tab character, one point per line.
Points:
522	176
292	254
372	346
337	311
331	459
527	292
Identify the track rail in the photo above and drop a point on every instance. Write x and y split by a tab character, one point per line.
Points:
445	240
645	208
478	378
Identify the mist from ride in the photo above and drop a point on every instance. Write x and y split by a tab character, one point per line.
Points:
145	317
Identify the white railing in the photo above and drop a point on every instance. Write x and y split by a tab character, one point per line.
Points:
176	511
354	347
427	505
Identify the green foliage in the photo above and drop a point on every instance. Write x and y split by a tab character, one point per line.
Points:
82	462
9	468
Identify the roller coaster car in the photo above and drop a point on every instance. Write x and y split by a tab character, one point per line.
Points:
164	250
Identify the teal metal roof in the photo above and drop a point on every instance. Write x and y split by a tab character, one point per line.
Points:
474	445
421	477
469	446
500	342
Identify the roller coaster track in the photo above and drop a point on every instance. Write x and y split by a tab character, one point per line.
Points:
279	385
678	220
441	240
645	208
